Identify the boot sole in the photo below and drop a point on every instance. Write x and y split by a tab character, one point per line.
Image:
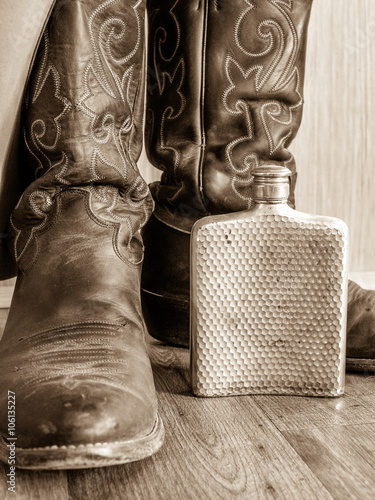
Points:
360	365
86	455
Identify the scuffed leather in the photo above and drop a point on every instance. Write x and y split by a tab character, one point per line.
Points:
73	349
225	94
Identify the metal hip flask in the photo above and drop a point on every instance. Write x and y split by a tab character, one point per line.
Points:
268	298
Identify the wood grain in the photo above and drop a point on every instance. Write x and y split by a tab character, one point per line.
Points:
9	282
6	293
306	413
3	318
334	148
271	447
33	485
262	447
331	452
211	450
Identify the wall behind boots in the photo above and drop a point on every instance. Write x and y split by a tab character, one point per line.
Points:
334	147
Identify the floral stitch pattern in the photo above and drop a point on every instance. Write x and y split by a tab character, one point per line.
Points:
243	84
112	169
38	127
276	57
165	80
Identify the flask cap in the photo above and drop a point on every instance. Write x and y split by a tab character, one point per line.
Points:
270	184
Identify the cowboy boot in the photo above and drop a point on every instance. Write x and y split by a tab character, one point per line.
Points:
73	356
225	84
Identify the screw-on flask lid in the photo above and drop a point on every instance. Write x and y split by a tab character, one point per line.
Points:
270	184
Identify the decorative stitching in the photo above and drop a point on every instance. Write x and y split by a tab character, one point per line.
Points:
112	30
98	342
46	69
272	109
77	325
169	113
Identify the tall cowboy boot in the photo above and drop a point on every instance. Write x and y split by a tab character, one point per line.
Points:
73	356
225	89
224	95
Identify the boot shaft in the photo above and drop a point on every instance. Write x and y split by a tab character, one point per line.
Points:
225	87
85	94
83	118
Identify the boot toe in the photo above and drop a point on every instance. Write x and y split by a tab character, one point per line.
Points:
80	407
83	416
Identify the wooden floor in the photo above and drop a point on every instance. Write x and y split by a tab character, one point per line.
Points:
262	447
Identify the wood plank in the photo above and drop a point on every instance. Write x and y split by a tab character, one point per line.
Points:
341	457
221	448
364	279
9	282
214	448
355	407
360	386
30	485
3	319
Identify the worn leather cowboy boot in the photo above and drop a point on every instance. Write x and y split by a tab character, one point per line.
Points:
225	87
73	351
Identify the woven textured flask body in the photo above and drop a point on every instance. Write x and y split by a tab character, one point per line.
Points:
268	298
